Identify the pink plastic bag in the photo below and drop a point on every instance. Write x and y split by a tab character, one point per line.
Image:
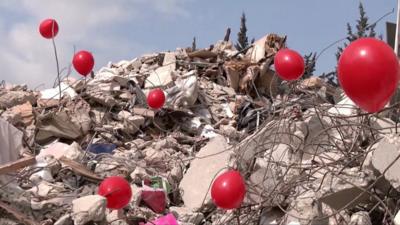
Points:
168	219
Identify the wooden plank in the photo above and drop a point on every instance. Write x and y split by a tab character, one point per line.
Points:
80	169
16	165
18	215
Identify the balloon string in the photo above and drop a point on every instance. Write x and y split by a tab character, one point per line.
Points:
57	64
112	192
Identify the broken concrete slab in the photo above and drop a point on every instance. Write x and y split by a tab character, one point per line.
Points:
131	123
59	150
264	186
64	220
187	215
397	219
11	142
386	153
46	190
115	217
170	60
271	216
10	99
346	188
54	93
88	208
160	77
360	218
272	133
209	161
305	210
264	47
63	124
20	114
346	107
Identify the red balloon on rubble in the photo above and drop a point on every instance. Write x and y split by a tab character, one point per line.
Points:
156	98
48	28
289	64
117	191
228	190
368	71
83	62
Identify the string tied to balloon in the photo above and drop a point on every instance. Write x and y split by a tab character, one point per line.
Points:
48	28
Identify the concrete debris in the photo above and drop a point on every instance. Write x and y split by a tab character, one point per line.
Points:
10	99
186	215
345	189
59	150
271	217
360	218
198	178
64	220
51	97
88	208
265	47
264	184
385	159
397	219
305	210
20	114
160	77
11	142
307	153
115	217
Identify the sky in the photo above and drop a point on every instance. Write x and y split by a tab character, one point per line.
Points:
124	29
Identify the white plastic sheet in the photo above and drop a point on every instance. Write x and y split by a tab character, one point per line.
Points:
11	142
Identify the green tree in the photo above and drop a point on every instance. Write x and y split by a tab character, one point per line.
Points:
363	29
309	61
242	41
194	44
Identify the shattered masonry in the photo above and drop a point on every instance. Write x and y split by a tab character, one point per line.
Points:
309	156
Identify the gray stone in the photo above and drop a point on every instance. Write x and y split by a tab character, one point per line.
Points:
187	215
138	175
387	150
360	218
210	160
89	208
9	99
345	189
271	217
115	217
397	219
131	123
264	186
64	220
305	210
274	132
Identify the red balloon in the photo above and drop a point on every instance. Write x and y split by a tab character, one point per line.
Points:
117	191
156	98
83	62
289	64
48	28
368	71
228	190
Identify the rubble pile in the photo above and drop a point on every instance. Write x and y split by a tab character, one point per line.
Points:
307	153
